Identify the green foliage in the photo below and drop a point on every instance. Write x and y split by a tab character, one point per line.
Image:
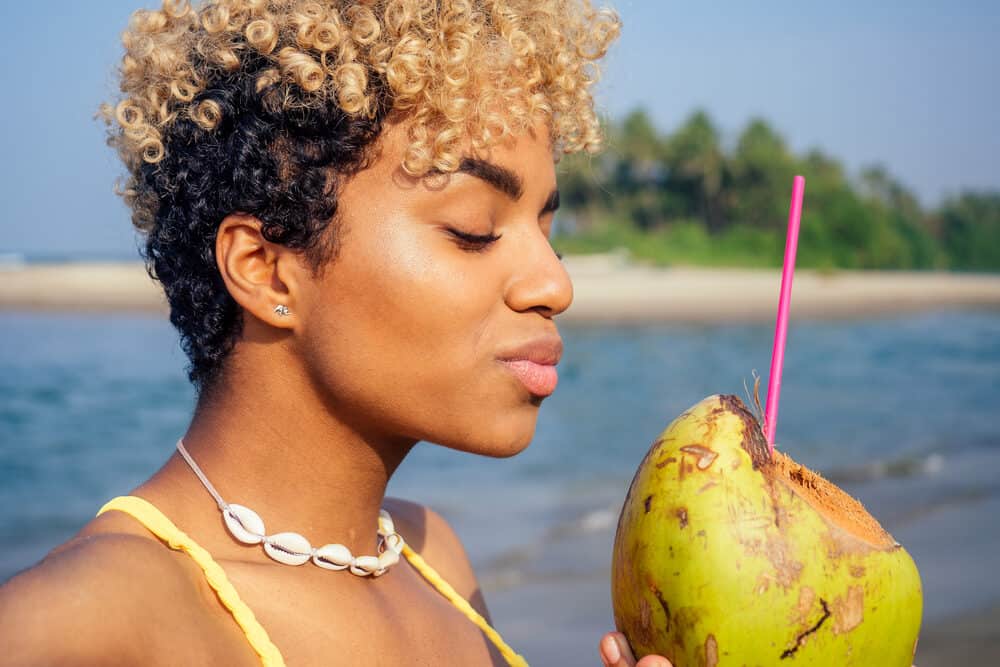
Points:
683	198
969	227
684	243
761	166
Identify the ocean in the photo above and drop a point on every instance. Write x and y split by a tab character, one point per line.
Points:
903	412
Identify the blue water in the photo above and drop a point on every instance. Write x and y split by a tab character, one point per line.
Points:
905	412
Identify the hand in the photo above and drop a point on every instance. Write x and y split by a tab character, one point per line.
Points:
615	652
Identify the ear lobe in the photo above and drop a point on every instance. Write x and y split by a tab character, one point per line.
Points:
255	271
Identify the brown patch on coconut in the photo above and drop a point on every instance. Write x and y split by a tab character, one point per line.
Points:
807	597
711	652
666	461
786	568
848	610
705	456
663	605
644	615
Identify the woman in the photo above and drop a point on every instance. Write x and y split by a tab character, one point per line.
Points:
348	206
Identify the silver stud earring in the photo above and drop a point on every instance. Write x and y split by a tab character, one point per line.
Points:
281	309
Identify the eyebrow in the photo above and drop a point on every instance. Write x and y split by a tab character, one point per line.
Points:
501	178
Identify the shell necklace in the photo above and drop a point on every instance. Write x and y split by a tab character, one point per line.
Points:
293	549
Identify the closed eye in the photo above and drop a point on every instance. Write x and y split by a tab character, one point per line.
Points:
480	242
476	242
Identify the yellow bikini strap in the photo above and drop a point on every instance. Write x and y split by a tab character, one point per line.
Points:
463	605
158	524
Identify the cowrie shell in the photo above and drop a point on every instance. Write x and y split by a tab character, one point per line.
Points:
387	559
364	565
385	526
288	548
333	557
394	541
244	524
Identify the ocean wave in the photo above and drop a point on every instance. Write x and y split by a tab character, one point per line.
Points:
957	499
520	564
905	466
592	521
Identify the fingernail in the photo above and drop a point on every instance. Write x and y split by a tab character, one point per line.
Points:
611	650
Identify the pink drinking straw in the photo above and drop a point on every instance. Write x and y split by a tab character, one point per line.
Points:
781	328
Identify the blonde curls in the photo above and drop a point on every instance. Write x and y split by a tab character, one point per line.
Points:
468	71
352	81
327	36
301	69
262	35
365	28
206	114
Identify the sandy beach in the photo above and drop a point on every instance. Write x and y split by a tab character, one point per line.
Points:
607	289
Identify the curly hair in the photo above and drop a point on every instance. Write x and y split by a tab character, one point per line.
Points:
265	106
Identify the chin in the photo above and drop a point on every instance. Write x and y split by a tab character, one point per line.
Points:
504	439
510	448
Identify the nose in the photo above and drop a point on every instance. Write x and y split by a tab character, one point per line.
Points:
539	281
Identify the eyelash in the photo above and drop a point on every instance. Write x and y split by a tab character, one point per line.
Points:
481	242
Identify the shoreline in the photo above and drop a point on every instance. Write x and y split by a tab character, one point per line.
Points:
606	290
611	292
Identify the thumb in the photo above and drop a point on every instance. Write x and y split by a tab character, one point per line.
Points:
615	652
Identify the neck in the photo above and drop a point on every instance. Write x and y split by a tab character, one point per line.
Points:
284	453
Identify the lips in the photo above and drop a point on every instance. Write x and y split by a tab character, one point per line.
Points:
534	364
539	379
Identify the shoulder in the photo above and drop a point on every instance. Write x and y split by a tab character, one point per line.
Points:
106	596
430	535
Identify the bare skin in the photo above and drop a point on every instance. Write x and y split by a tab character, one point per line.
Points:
396	341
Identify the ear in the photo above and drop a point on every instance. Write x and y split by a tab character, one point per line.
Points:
258	274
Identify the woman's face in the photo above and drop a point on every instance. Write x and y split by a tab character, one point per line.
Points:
404	332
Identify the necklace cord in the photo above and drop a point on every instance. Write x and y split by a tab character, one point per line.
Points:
204	480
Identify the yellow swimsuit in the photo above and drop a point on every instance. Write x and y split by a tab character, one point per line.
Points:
158	524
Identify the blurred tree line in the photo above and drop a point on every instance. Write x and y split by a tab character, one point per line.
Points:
685	198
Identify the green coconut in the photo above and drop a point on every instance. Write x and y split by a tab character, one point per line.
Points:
726	555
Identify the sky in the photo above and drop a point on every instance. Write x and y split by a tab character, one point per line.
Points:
914	86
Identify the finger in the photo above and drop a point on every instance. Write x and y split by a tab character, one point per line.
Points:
654	661
628	659
610	653
615	651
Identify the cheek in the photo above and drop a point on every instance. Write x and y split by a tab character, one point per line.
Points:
405	338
